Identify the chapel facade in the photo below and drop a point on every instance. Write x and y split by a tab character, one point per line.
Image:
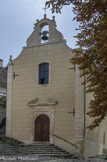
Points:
45	99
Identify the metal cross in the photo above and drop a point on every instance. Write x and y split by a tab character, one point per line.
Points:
14	75
73	112
45	9
73	67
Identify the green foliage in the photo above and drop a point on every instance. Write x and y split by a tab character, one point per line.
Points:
91	54
3	102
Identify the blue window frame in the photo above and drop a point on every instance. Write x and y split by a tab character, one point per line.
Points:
44	73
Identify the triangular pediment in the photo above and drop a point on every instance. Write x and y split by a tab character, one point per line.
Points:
52	100
33	101
36	102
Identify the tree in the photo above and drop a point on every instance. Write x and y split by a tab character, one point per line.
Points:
3	102
91	54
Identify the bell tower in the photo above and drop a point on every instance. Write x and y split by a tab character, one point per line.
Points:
44	32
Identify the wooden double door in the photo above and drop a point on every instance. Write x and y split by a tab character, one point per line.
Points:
42	125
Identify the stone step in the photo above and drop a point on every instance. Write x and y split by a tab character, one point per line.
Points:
6	149
8	152
38	150
45	152
57	156
33	146
42	149
38	144
12	152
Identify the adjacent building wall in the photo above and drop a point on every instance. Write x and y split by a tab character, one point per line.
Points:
3	91
95	140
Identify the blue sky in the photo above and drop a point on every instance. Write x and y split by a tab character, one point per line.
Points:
17	19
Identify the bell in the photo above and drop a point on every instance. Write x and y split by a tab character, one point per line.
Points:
44	36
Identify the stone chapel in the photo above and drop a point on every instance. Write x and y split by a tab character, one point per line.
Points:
45	99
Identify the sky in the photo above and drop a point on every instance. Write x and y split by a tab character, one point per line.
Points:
17	19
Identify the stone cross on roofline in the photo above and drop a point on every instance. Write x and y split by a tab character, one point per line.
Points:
45	8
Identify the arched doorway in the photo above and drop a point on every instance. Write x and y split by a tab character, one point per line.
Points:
42	125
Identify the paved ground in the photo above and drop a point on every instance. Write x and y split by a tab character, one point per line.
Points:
31	158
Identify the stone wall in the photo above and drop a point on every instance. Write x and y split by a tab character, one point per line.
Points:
25	88
3	90
95	140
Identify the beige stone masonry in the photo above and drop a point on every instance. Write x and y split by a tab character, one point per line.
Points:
35	37
79	114
9	99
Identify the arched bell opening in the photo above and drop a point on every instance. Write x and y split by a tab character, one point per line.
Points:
42	128
45	33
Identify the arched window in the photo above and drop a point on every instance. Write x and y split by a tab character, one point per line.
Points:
44	73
